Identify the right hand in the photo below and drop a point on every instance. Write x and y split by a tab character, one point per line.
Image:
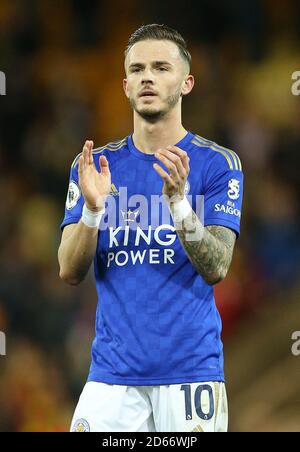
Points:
94	185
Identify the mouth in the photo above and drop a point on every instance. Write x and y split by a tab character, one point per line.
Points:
148	94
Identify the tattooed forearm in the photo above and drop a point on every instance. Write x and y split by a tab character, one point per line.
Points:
209	249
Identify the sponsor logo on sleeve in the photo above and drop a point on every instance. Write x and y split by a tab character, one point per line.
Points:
233	193
234	189
229	209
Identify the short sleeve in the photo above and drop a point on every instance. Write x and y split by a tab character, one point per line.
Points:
74	201
223	195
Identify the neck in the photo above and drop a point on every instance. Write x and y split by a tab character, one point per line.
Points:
148	138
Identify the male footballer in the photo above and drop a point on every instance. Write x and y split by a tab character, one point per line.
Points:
159	213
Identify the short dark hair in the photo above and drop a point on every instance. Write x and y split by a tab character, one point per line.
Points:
160	32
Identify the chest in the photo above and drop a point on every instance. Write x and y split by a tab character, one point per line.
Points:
137	177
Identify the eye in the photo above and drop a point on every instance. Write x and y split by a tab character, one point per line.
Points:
161	69
137	69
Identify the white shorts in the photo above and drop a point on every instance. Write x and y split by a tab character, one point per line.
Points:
190	407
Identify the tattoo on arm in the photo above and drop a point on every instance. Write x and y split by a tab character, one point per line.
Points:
209	249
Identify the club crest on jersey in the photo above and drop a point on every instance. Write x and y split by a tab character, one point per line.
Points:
81	426
130	216
234	189
73	195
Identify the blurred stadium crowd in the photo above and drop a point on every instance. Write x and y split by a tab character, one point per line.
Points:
64	67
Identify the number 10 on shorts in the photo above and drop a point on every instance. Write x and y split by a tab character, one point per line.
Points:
202	398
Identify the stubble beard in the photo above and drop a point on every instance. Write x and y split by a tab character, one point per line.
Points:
155	115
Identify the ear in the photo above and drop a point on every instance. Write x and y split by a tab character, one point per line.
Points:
125	87
187	85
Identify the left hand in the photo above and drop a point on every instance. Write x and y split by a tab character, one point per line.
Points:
177	162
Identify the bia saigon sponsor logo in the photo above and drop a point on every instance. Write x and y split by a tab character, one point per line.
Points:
229	209
233	193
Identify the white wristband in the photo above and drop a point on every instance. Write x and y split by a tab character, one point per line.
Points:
90	218
180	209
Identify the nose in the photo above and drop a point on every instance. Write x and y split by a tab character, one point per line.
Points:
147	77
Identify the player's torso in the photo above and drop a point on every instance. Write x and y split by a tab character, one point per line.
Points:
154	308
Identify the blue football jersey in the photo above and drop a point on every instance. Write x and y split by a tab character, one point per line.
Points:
156	320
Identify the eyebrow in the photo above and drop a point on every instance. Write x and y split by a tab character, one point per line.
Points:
154	63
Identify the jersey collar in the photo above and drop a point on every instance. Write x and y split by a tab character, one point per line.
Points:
135	151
